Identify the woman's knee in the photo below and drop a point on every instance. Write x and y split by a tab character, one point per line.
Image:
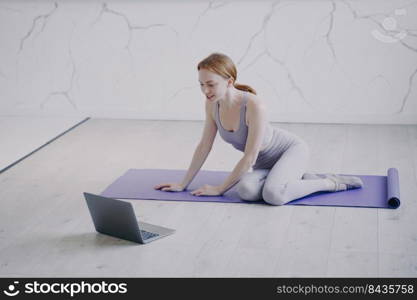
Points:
304	148
275	195
248	191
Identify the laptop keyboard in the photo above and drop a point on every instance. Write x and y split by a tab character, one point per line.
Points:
147	235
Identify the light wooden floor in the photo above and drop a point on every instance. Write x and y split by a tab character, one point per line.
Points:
20	135
46	230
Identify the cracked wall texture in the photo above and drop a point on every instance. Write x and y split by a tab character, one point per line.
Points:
336	61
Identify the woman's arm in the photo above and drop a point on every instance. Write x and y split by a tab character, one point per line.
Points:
257	120
199	157
240	169
204	147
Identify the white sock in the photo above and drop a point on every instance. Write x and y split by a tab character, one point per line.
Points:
340	182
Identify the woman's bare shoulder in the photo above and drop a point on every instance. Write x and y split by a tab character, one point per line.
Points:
255	107
254	101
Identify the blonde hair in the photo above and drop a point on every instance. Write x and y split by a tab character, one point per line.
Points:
222	65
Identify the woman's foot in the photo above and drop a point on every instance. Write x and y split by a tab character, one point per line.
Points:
339	182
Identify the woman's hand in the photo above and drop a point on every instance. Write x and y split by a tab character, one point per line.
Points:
170	187
209	190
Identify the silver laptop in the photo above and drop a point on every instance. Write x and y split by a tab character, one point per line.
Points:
117	218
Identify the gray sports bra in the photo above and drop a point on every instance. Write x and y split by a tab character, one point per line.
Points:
238	138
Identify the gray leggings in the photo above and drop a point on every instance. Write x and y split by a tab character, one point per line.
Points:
283	182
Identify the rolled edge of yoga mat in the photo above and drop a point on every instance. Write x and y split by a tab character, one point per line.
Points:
393	185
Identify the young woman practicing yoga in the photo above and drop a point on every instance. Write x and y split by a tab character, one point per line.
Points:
278	157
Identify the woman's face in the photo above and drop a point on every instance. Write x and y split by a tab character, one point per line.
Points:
213	86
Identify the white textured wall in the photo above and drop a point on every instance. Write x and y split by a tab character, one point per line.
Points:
312	61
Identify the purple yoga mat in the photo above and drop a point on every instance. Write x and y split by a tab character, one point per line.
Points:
378	191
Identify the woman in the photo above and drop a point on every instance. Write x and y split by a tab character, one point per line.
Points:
278	157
